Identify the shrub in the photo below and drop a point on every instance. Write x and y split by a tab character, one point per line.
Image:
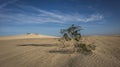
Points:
72	34
81	47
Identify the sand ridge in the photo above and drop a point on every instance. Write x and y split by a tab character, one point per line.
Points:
26	36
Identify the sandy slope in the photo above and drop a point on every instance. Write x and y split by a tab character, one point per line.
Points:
25	36
45	52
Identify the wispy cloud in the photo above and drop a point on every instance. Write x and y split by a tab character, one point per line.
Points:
7	3
32	14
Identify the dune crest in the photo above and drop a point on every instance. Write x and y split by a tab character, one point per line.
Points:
26	36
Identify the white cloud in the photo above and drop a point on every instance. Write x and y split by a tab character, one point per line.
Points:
7	3
43	16
94	17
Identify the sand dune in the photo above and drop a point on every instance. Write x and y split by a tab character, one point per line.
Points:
45	52
26	36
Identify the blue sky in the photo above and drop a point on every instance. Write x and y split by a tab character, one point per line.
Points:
97	17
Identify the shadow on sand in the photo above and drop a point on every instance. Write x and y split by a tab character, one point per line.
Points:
62	51
44	45
69	51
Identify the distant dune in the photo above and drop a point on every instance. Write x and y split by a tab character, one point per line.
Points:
45	51
26	36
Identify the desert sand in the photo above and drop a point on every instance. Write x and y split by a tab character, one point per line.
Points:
25	36
44	51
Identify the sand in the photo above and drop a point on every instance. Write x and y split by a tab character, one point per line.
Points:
16	51
25	36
